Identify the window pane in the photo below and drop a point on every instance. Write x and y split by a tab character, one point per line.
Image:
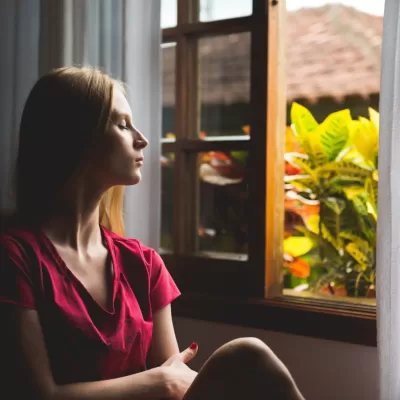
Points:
223	200
168	99
167	200
331	174
169	13
224	85
211	10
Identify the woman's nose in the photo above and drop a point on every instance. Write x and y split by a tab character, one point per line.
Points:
140	141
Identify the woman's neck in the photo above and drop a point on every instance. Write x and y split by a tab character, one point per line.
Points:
75	220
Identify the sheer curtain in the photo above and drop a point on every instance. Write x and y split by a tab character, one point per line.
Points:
388	235
121	36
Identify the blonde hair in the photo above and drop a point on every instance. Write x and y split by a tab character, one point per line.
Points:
65	113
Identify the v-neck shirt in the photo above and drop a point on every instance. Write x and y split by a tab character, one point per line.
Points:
85	341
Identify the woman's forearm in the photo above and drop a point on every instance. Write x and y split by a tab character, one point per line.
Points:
147	385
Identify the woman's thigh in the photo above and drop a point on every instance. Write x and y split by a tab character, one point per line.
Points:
247	369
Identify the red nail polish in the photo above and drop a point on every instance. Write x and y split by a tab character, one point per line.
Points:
193	346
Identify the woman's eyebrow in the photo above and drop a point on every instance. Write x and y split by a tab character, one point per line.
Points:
115	114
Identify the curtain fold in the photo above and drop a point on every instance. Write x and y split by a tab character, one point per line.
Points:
19	39
120	36
388	231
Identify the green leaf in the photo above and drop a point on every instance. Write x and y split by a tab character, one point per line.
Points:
358	255
337	183
353	237
343	168
303	164
335	204
360	205
371	189
302	119
313	147
334	241
334	133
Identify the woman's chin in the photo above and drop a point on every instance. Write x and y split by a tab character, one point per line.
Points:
134	179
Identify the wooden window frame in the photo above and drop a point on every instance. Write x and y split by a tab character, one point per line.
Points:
247	293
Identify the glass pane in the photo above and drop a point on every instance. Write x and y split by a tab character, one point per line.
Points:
211	10
169	13
167	200
223	200
168	98
331	175
224	85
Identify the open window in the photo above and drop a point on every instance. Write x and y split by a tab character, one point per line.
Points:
269	163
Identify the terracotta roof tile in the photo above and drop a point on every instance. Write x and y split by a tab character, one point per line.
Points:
332	51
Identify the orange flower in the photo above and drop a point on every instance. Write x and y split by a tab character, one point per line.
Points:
299	268
246	129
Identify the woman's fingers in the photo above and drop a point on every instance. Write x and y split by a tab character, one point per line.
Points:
187	355
184	356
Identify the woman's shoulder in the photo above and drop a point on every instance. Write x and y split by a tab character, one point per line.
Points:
132	247
18	241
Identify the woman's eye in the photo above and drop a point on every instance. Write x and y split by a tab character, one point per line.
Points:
123	127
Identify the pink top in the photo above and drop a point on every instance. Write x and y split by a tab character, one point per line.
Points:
84	341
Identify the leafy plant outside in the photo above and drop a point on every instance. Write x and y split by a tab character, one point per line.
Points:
334	172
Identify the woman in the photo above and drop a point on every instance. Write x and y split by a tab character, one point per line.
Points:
90	309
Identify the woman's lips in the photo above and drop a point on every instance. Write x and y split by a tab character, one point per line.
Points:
139	161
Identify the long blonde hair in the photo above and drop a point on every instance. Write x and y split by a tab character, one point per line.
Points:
66	112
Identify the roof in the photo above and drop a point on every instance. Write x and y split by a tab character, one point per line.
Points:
332	51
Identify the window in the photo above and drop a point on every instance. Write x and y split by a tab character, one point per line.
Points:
241	219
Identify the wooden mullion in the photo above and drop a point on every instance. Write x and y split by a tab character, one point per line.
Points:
192	184
198	146
212	28
186	182
188	12
180	131
201	145
182	12
275	165
169	147
257	147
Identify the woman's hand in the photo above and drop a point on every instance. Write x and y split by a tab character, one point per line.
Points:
178	375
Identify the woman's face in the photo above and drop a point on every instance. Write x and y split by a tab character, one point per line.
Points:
120	155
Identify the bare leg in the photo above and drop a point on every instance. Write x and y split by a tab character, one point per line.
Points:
244	369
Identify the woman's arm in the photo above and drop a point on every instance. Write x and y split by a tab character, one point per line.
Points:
163	343
152	384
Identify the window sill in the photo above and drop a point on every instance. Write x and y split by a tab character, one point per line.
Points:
343	322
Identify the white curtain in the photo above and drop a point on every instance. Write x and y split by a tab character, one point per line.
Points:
388	235
121	36
19	68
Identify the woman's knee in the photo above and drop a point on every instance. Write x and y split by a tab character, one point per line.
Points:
250	355
244	368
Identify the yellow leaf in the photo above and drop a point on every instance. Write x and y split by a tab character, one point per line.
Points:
366	139
297	246
374	118
312	223
358	255
302	119
291	142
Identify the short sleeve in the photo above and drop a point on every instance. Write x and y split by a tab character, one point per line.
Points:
163	289
15	277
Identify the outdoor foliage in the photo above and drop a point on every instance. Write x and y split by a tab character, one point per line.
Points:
331	183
